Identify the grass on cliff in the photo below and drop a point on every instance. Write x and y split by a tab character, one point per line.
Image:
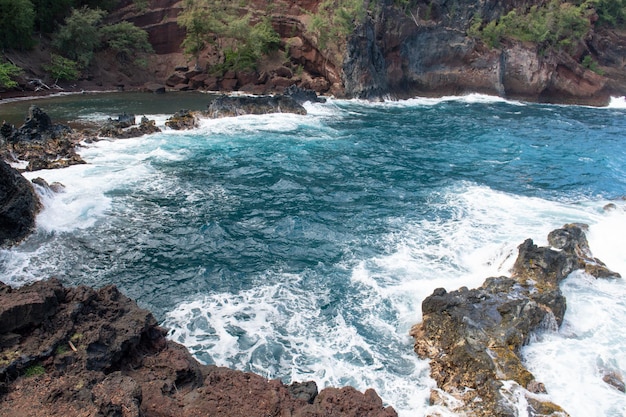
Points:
34	370
556	24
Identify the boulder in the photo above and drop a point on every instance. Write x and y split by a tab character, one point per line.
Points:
182	120
228	106
18	206
473	337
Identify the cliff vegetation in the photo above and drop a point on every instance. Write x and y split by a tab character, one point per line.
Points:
570	51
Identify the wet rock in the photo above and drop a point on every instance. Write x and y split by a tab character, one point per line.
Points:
302	95
473	337
228	106
614	379
112	129
95	352
41	143
182	120
18	205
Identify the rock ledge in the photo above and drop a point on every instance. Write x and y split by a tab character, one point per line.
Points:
85	352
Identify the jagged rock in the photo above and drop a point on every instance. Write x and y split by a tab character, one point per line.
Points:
55	187
18	206
228	106
181	120
40	142
302	95
98	354
473	337
146	127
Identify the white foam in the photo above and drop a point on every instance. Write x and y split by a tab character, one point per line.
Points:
434	101
281	330
617	103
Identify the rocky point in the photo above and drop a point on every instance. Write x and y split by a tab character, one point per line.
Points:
473	337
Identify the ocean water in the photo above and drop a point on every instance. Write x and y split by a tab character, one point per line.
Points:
301	247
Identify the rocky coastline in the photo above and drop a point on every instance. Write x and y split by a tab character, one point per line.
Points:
85	352
473	337
81	351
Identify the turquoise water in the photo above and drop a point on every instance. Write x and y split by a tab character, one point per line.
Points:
301	247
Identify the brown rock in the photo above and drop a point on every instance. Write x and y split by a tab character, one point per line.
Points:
95	353
247	77
473	337
175	79
228	84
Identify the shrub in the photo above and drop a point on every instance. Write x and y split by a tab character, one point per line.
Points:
126	39
79	36
34	370
556	24
7	72
62	68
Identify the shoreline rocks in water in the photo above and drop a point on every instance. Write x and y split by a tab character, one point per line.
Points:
229	106
41	143
18	205
473	337
80	351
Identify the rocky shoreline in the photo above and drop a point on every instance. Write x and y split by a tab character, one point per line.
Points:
85	352
81	351
473	337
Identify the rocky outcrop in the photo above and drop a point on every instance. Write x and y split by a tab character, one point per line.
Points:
18	206
182	120
228	106
426	51
43	144
473	337
126	127
79	351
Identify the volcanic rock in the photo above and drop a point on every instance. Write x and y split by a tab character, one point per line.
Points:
85	352
182	120
473	337
41	143
116	129
18	206
228	106
302	95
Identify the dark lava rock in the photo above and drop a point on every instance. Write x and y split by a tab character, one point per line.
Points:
302	95
473	337
115	129
228	106
18	206
80	351
182	120
40	142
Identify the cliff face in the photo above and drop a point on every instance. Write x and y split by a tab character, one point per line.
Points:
420	50
404	55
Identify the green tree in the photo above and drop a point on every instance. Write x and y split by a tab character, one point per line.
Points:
7	72
220	22
335	19
79	36
17	19
126	39
62	68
